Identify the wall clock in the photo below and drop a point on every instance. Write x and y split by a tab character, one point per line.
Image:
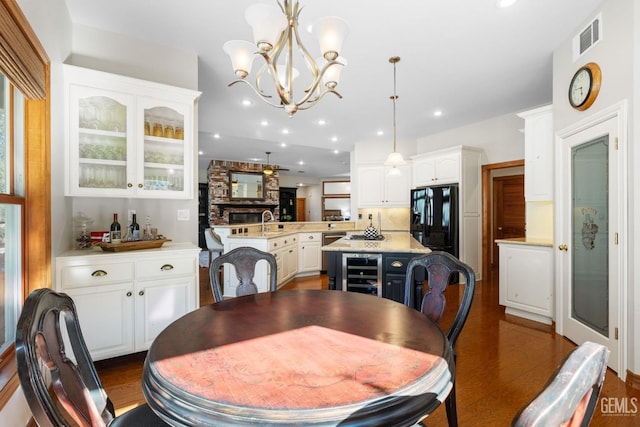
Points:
585	86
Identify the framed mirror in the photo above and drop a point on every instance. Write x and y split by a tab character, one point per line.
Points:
246	186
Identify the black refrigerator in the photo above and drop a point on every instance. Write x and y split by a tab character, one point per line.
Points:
434	217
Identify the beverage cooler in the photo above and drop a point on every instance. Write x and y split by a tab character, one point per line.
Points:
362	272
434	217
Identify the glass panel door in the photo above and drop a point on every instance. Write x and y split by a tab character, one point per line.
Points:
164	150
590	223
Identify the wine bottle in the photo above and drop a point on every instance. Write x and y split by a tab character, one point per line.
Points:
116	232
134	229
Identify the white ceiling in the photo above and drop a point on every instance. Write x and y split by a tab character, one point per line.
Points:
468	58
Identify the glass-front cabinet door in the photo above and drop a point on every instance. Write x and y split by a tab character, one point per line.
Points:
100	141
126	141
167	158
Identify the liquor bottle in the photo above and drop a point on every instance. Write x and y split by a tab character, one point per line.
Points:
116	232
134	229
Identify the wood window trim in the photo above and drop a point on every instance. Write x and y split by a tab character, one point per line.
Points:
35	85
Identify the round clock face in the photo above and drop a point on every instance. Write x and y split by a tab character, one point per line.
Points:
585	86
580	87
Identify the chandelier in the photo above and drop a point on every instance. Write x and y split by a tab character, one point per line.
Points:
275	32
394	159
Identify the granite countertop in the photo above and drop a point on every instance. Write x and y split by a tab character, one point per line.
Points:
526	241
393	242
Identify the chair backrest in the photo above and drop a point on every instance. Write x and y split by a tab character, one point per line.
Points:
571	395
440	267
212	239
244	261
74	379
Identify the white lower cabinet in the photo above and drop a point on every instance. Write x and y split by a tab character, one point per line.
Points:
124	300
526	281
309	252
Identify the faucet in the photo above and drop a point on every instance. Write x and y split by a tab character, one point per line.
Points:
263	214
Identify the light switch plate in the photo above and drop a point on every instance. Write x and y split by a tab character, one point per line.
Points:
183	214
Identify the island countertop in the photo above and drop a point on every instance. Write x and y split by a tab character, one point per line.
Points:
393	242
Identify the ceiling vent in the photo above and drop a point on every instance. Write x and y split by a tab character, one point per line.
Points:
587	38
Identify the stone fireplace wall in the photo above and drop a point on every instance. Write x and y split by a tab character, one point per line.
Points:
219	203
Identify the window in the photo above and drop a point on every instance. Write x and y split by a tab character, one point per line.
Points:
25	195
11	202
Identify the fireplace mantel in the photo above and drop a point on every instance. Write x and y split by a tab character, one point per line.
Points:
223	206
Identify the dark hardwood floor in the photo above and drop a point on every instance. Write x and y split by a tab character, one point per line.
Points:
502	362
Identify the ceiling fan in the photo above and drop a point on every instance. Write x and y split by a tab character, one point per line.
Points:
268	169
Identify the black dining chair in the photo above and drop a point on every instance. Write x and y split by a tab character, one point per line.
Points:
441	268
571	394
49	343
244	261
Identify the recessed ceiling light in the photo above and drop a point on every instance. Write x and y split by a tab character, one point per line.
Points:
216	135
282	144
334	138
380	133
285	131
301	162
336	151
264	123
246	102
505	3
322	122
437	113
200	152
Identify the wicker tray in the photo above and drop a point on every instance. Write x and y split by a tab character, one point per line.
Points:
132	246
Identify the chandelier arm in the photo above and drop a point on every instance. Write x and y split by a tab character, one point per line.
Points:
264	97
313	102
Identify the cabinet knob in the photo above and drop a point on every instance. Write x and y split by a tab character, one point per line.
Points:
99	273
129	293
129	184
563	248
166	267
140	185
141	293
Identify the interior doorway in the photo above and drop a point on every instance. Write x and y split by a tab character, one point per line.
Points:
489	172
508	210
301	209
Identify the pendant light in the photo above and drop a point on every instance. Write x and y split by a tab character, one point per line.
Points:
394	159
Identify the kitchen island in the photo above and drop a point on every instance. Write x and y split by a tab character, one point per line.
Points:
376	267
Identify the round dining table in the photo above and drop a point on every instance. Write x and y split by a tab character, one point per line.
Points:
299	358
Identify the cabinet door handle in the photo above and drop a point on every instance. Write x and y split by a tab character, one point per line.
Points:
141	293
563	248
129	293
99	273
396	264
166	267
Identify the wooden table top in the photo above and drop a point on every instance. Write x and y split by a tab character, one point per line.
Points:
303	357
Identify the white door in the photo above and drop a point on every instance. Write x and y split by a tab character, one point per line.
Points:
590	224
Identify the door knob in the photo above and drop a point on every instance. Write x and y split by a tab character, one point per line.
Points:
563	248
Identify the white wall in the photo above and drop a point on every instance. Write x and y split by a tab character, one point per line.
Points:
501	138
619	59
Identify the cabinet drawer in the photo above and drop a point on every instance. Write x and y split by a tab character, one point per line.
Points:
165	267
281	242
96	274
396	264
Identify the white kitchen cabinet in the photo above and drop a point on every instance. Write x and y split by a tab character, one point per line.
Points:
526	280
377	186
285	249
127	137
436	169
309	253
125	299
538	154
